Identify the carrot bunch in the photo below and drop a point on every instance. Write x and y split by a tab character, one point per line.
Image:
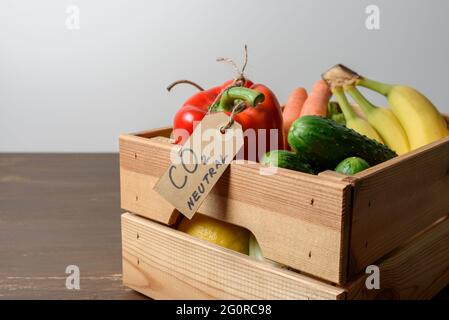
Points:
300	104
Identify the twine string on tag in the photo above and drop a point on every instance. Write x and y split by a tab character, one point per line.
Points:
240	78
237	108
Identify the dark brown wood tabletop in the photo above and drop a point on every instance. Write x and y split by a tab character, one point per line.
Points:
58	210
55	211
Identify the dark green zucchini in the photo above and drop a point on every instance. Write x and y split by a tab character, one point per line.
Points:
324	143
352	165
287	160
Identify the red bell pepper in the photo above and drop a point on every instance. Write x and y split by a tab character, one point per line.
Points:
262	112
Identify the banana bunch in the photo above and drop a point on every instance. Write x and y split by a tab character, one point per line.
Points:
411	120
354	121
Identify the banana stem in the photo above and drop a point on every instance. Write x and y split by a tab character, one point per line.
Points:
379	87
346	108
366	105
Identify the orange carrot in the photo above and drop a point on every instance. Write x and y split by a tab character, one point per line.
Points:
316	103
292	109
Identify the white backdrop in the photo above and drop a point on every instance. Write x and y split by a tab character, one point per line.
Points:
64	89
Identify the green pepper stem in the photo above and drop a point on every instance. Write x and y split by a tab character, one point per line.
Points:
346	108
250	96
379	87
363	103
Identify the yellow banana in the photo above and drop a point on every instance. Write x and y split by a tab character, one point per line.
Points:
353	121
384	121
420	119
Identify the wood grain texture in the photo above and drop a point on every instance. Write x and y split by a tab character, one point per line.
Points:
159	132
245	183
338	225
164	263
57	210
417	270
167	264
310	212
396	200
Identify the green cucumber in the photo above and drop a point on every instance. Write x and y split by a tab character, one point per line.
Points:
324	143
286	159
352	165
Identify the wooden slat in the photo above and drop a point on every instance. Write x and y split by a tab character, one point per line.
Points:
243	182
300	220
137	195
159	132
167	264
418	270
396	200
333	175
136	189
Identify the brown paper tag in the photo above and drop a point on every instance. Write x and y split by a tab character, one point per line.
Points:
196	167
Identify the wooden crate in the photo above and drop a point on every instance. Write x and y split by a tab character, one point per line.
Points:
330	226
164	263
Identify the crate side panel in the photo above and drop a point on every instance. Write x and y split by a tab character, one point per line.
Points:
419	270
397	201
166	264
137	196
313	198
300	220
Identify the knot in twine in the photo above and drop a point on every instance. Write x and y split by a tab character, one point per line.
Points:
239	81
240	78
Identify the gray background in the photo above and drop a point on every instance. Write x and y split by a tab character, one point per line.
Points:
76	90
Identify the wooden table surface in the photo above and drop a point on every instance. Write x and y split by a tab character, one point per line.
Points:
58	210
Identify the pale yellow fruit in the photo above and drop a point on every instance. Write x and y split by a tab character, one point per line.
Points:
383	121
363	127
221	233
353	121
419	117
421	120
390	130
